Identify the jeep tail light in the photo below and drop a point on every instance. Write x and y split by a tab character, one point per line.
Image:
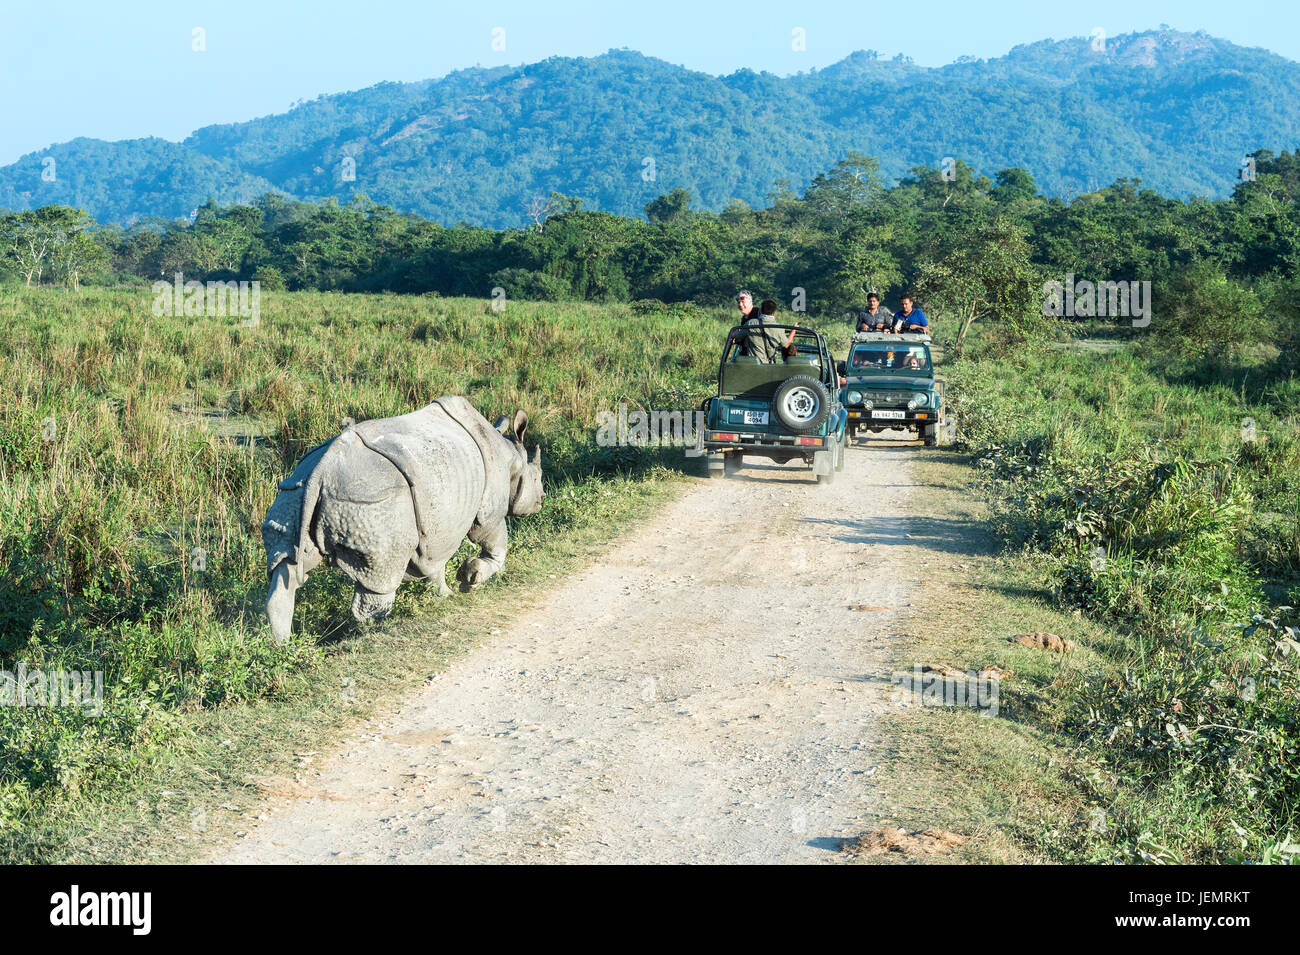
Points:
723	436
810	440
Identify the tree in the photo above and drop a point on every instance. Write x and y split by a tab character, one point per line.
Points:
1202	309
25	239
72	248
539	210
670	207
860	259
849	186
1013	184
985	274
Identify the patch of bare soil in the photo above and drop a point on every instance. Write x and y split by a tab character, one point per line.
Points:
925	842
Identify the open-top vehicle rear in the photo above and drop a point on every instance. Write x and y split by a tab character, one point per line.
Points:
783	410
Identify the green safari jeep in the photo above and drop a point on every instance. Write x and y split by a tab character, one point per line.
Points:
889	383
783	409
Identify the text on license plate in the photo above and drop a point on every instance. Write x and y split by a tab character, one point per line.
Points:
888	414
749	417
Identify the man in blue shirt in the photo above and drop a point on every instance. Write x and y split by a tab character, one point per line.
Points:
910	319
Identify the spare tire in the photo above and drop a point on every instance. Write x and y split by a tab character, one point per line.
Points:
802	404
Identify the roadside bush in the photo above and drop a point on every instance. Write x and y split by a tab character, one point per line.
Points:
1199	309
1150	510
531	285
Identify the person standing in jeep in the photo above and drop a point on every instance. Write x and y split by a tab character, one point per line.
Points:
874	318
748	314
745	302
758	341
911	319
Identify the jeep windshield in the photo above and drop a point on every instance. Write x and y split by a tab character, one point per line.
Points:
888	358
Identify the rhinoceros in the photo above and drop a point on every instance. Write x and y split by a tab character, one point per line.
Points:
392	499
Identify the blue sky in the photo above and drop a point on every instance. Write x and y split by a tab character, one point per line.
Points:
128	69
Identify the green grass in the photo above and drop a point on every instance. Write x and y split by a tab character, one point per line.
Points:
1129	485
138	455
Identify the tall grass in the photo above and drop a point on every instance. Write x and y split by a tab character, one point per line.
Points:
138	455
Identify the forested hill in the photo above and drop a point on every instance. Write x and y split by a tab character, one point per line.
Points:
1175	110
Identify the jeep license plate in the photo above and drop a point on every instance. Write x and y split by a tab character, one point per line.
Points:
888	414
749	417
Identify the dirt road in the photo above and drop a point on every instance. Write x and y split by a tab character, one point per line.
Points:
703	694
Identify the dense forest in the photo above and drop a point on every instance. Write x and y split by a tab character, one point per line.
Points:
976	248
1177	110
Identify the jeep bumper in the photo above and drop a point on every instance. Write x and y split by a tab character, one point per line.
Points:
896	417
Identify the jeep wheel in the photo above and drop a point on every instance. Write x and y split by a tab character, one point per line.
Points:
732	463
841	452
802	404
931	435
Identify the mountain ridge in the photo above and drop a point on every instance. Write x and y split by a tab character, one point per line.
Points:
1177	110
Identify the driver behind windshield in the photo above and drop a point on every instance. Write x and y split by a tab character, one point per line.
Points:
888	359
867	358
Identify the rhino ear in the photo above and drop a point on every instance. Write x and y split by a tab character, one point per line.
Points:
520	425
501	424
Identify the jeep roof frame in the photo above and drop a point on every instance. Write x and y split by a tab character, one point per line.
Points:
913	337
827	361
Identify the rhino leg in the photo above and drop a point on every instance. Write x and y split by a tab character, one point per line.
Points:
367	605
279	601
435	571
491	538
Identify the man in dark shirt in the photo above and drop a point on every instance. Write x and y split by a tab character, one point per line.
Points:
874	318
745	302
749	344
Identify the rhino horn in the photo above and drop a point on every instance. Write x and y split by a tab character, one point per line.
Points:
520	425
537	455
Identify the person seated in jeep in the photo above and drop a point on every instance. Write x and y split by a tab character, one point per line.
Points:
873	318
868	358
